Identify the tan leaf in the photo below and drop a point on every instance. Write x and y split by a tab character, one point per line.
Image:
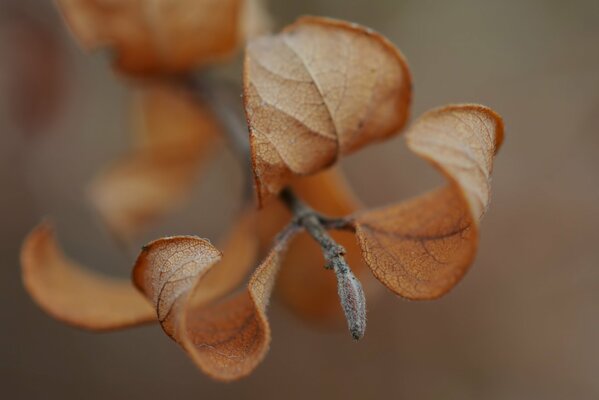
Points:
75	295
186	279
157	36
421	248
169	116
176	136
304	284
34	96
319	89
461	141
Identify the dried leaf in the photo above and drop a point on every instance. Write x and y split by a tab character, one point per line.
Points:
186	279
304	285
168	116
157	36
421	248
75	295
37	67
461	141
241	250
176	137
320	89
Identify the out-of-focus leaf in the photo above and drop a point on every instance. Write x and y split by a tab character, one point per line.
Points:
75	295
35	60
176	137
158	36
185	278
319	89
421	248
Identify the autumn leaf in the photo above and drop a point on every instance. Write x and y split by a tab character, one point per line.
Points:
320	89
74	294
461	141
421	248
37	65
175	136
161	36
186	278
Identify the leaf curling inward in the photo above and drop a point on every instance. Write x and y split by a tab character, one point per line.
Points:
162	36
175	138
421	248
74	294
186	279
461	140
320	89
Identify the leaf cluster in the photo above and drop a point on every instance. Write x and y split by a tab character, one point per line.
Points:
313	93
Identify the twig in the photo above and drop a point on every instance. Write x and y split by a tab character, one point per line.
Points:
349	288
224	103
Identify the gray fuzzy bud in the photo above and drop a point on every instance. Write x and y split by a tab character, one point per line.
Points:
352	300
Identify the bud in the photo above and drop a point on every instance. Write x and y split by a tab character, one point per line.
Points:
352	299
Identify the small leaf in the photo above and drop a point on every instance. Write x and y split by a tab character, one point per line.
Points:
461	141
75	295
421	248
176	137
320	89
185	278
157	36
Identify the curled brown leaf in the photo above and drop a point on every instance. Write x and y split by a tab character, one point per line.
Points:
319	89
461	141
186	279
74	294
158	36
421	248
176	136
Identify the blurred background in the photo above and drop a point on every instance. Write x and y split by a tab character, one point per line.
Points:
523	324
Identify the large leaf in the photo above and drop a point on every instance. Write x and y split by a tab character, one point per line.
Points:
421	248
319	89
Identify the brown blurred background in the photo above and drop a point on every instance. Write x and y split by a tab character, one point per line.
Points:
523	324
